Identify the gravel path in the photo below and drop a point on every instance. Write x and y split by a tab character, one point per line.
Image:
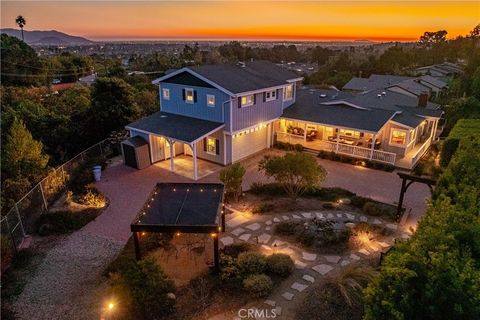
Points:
66	284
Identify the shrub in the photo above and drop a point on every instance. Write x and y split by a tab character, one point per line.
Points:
232	177
330	194
259	285
286	228
448	149
235	249
264	207
229	270
148	287
280	264
378	209
359	202
64	221
288	146
6	250
269	189
330	155
92	197
251	263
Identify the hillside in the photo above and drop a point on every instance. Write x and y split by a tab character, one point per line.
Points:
52	37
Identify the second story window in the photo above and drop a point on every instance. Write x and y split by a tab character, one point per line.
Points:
288	92
189	95
246	101
166	94
210	100
271	95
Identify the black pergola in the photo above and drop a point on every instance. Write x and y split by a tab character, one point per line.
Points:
182	208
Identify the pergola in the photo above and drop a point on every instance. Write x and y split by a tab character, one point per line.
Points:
182	208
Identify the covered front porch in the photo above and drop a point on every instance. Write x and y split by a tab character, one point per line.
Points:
184	166
342	140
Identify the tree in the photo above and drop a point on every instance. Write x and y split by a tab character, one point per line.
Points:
429	38
113	106
475	33
294	171
21	22
232	177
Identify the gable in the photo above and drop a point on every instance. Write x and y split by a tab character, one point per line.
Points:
186	78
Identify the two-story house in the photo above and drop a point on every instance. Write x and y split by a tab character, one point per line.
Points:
220	113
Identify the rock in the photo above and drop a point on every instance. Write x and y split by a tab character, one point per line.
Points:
254	226
308	278
298	286
323	269
332	259
287	295
171	295
344	201
309	256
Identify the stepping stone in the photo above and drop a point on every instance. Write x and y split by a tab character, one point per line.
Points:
376	221
332	259
271	303
288	251
344	263
238	231
267	228
236	221
294	216
279	243
253	226
269	222
308	278
227	241
278	311
383	244
350	225
339	215
307	215
300	265
319	215
299	287
364	251
264	237
354	257
245	237
405	236
374	246
391	226
287	295
330	216
266	248
309	256
363	219
350	216
323	269
276	220
285	218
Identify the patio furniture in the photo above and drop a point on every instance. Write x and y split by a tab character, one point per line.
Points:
312	135
377	143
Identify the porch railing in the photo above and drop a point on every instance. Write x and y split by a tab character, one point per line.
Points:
354	151
421	151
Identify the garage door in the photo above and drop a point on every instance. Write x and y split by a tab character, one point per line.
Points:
249	143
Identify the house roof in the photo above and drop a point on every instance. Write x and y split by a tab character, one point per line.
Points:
235	78
412	86
408	119
181	207
177	127
375	81
135	141
309	107
434	81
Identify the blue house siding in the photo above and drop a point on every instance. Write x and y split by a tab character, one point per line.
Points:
198	109
218	158
259	112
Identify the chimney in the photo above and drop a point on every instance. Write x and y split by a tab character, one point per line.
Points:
422	100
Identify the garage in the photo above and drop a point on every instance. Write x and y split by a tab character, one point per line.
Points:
246	144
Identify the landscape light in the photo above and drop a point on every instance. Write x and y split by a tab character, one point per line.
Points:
111	306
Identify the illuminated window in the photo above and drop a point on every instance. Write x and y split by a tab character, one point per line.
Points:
270	95
210	100
189	95
288	92
211	145
328	131
166	94
398	137
350	133
247	100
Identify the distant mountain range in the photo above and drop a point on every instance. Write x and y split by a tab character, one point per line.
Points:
45	38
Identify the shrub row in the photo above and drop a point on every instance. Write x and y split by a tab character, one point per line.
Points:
288	146
330	155
436	274
64	221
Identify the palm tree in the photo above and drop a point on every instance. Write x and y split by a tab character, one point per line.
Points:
21	23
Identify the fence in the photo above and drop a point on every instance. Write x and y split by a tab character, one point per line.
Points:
20	220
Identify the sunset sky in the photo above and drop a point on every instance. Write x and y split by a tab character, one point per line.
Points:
268	20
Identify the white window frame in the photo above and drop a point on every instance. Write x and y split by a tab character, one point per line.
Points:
208	103
397	144
273	95
166	93
285	98
187	90
247	104
214	152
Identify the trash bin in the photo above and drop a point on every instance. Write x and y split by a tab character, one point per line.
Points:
97	172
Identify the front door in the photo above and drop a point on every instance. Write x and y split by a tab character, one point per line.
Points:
157	148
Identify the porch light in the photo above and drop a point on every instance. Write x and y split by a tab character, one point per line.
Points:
177	234
213	235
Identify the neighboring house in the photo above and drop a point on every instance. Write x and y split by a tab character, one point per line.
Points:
446	69
225	113
88	80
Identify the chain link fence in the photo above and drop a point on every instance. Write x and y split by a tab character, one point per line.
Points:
20	220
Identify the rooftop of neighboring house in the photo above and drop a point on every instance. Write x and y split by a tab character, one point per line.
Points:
240	77
375	81
413	86
369	111
434	81
446	67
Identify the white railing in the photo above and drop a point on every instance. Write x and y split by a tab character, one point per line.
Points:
421	151
355	151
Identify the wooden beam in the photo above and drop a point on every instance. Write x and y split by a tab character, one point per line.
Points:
216	259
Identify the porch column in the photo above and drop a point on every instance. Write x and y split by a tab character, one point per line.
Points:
172	154
434	129
194	149
305	133
225	148
338	139
373	146
269	135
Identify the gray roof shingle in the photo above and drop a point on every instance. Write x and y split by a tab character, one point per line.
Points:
175	126
375	81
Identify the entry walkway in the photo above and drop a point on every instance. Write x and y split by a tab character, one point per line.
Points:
184	166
